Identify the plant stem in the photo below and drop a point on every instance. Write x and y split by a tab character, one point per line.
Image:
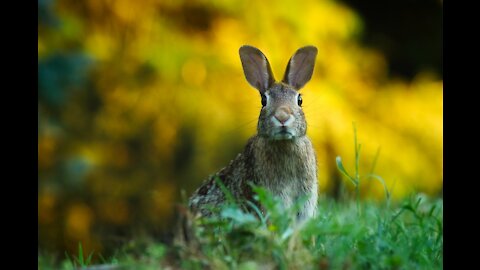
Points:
357	173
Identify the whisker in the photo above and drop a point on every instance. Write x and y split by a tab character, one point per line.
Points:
241	126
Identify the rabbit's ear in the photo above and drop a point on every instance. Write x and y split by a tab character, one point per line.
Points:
256	68
300	67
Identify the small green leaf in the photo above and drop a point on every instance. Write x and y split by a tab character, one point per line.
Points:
257	211
342	170
286	234
238	216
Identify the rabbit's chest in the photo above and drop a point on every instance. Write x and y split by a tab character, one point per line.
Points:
289	190
287	169
287	179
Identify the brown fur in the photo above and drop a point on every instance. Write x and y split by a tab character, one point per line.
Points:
280	157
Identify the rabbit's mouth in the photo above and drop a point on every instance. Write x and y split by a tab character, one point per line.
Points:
283	133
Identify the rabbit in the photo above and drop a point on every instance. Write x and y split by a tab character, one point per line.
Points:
280	157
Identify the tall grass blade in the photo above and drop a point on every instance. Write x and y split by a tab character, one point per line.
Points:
343	171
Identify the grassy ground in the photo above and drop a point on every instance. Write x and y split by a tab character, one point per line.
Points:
367	235
346	234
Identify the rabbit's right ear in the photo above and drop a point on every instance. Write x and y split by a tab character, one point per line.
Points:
256	68
300	67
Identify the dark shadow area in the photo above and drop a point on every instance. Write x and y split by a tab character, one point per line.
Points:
407	32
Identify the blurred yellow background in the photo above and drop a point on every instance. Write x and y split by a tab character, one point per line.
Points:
139	100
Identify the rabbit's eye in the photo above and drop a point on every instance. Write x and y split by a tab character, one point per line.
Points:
264	100
299	100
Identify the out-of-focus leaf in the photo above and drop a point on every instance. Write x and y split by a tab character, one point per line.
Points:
342	170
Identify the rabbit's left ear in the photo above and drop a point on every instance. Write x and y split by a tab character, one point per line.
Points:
256	68
300	67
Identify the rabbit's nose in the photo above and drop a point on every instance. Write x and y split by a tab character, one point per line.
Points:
282	114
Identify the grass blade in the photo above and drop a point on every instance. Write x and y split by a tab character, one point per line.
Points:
380	179
80	254
89	258
343	171
225	190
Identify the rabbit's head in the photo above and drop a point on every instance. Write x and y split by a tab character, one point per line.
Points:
281	116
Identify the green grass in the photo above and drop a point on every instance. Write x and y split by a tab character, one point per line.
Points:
344	234
80	260
407	235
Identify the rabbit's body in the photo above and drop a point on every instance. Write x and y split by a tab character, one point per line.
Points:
280	157
275	165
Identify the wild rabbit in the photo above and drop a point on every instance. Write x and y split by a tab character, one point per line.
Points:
280	157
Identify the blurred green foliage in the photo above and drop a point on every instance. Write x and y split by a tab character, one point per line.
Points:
404	235
139	100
